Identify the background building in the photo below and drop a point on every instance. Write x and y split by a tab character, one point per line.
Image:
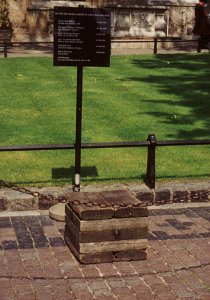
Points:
131	19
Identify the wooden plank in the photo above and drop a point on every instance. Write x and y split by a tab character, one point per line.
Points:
105	246
125	204
122	245
72	239
90	206
93	258
106	235
134	212
107	257
113	224
70	245
108	224
72	216
106	205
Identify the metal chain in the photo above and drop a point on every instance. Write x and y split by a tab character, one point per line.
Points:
63	199
23	190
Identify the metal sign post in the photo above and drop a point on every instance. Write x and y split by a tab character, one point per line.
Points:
78	130
81	38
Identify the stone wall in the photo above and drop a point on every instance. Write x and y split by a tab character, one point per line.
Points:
33	19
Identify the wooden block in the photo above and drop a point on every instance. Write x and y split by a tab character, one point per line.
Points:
106	205
106	246
106	235
107	257
108	224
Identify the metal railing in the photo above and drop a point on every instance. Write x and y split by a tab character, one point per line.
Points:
156	41
151	160
7	45
151	144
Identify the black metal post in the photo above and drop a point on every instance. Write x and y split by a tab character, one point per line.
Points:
155	46
76	187
150	176
199	46
5	49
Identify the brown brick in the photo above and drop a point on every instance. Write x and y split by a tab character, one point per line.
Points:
163	196
26	297
146	197
3	204
199	196
180	196
80	290
90	271
107	270
124	293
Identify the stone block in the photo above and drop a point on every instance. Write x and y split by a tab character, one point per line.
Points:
198	191
180	196
19	201
143	193
163	196
146	197
199	196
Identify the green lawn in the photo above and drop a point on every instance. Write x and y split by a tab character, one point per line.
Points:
164	94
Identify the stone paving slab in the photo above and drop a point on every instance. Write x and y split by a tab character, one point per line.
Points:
36	263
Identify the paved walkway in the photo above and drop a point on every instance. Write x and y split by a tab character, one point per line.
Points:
36	263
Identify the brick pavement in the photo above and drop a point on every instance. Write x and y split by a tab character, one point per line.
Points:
36	263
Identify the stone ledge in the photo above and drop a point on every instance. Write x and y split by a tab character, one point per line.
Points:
164	193
178	192
49	4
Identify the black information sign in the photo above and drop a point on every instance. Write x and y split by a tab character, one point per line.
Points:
81	37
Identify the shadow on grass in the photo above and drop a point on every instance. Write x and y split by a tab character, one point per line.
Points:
113	180
191	86
68	173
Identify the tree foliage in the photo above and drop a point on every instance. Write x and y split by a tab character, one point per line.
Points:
4	14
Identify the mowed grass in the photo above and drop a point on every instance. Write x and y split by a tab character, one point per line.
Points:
168	95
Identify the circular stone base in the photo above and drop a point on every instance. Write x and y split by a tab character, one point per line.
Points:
57	212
